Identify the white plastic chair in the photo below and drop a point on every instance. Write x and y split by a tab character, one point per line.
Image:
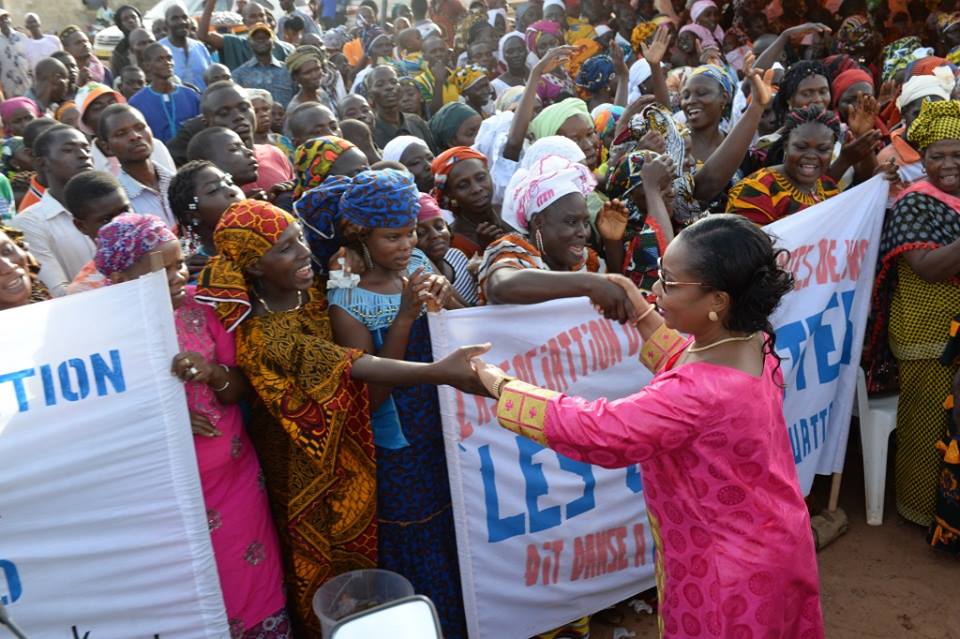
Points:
878	418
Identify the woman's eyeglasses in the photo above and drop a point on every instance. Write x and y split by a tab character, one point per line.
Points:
665	284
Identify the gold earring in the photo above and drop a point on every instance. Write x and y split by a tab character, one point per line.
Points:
712	315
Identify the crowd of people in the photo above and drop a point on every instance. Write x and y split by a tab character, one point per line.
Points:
314	186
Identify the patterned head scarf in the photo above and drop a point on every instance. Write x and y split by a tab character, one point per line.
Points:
468	28
596	74
447	121
384	199
301	55
641	34
7	108
444	163
537	30
937	121
585	49
653	117
466	76
314	158
855	34
552	118
714	72
548	180
318	211
846	80
697	9
124	240
245	232
368	37
334	39
897	55
605	118
947	19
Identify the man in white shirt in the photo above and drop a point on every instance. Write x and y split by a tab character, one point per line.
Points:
38	45
16	72
59	153
92	99
127	137
190	57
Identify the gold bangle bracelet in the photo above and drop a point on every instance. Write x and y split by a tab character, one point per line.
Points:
643	316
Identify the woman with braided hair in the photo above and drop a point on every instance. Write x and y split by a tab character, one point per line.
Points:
917	295
771	193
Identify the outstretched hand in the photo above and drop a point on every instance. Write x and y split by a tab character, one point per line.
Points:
457	370
489	375
761	82
612	220
862	116
657	49
552	60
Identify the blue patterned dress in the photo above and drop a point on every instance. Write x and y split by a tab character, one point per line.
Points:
416	535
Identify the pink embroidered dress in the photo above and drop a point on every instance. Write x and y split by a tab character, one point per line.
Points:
244	539
735	555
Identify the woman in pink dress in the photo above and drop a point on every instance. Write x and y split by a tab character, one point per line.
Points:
735	555
241	529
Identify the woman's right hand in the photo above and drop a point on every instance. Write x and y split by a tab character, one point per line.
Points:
611	300
802	30
413	295
658	172
634	294
653	53
552	60
487	232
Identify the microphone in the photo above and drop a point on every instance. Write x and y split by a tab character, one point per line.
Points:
5	620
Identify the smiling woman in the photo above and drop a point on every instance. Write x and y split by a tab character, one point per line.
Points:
19	284
801	181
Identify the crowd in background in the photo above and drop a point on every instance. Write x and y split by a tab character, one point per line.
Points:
315	185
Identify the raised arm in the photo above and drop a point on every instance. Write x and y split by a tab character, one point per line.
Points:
204	32
716	172
623	75
521	119
653	54
773	52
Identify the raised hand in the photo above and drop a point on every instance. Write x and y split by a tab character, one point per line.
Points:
619	65
761	82
612	220
658	172
860	147
862	116
802	30
552	60
657	49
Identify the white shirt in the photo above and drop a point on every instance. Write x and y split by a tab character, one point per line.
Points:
111	165
146	200
54	240
37	50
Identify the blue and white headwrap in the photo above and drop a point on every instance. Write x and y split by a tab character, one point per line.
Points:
386	199
595	73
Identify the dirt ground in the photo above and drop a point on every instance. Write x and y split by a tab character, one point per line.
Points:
876	581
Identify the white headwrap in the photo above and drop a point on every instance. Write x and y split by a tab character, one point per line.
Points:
548	180
492	16
554	3
490	140
550	146
940	83
503	43
639	73
397	146
601	30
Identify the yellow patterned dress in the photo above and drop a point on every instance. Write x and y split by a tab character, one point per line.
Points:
312	432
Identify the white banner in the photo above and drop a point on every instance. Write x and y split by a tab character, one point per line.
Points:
543	539
820	325
103	531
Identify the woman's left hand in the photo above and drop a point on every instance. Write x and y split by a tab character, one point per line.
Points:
190	366
761	82
612	220
619	65
862	116
437	290
859	148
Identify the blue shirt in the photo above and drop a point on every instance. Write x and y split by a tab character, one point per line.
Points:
273	78
165	112
189	65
